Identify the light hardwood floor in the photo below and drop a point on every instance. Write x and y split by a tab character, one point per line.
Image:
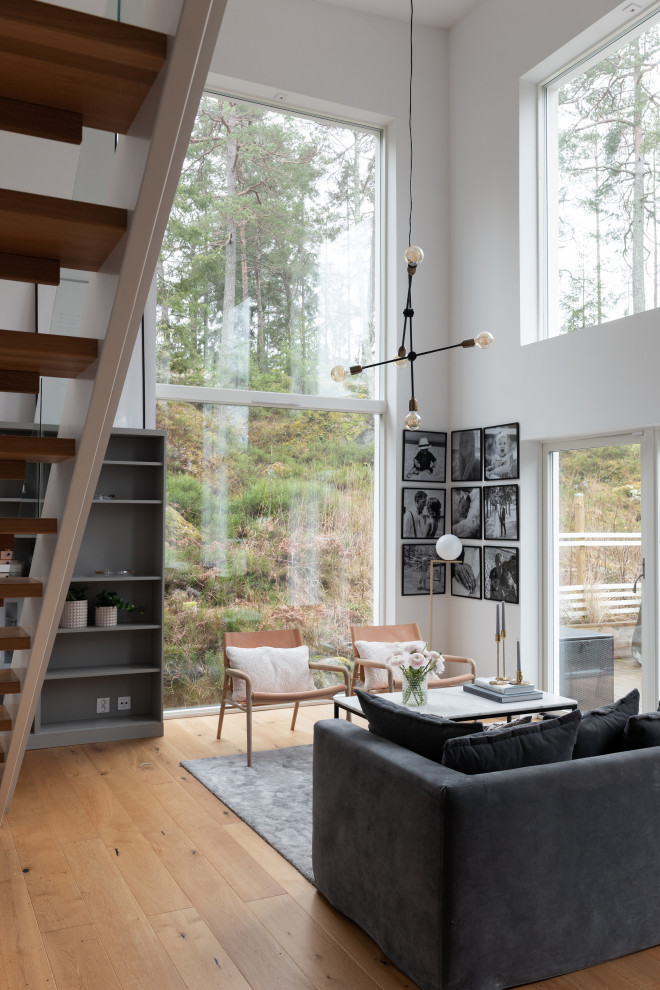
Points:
119	871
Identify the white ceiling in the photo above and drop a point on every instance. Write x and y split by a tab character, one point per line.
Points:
437	13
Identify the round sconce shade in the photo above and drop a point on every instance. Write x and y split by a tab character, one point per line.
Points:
449	547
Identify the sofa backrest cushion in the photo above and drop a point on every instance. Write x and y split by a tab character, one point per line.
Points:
550	741
425	735
642	731
601	730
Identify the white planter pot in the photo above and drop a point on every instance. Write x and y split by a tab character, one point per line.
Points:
105	615
74	615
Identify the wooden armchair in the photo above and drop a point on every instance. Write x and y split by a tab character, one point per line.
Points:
405	633
254	693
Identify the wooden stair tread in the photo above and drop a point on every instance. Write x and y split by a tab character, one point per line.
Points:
5	719
36	450
53	355
9	682
77	235
20	587
61	58
21	524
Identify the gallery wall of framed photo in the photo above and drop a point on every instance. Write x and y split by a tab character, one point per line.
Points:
481	507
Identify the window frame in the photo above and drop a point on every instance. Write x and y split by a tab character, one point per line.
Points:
563	70
377	407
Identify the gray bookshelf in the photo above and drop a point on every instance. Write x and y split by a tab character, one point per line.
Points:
124	532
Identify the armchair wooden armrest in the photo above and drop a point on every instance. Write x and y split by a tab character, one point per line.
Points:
468	660
231	672
336	668
379	665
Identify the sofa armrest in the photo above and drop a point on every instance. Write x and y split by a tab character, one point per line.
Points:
378	844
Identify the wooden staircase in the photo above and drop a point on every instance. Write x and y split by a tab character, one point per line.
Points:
61	71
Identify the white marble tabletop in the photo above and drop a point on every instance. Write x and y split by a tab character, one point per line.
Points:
457	704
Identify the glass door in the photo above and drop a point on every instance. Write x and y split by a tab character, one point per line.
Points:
596	578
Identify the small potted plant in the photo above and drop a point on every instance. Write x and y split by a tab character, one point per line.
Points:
108	603
74	611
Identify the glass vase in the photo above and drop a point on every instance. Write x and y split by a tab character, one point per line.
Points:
415	687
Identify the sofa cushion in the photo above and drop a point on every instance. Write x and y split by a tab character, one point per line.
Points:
272	668
601	730
516	746
425	735
642	731
375	679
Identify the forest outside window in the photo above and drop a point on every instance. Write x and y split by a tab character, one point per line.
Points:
269	272
602	183
269	275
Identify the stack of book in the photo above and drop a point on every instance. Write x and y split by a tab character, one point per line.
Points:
504	693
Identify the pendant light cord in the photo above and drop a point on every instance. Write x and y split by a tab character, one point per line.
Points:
410	125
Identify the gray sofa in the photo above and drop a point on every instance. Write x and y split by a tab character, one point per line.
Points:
487	881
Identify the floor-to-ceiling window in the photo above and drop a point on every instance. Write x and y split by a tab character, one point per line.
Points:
268	277
598	568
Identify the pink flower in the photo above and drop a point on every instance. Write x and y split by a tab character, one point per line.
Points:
416	660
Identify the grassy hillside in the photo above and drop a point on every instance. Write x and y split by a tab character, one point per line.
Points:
269	525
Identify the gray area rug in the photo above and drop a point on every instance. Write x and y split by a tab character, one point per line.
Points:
273	796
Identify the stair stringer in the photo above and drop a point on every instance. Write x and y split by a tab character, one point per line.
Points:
158	140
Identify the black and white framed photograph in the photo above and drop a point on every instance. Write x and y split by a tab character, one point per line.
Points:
501	512
466	576
466	513
423	513
501	574
416	570
466	455
424	456
501	452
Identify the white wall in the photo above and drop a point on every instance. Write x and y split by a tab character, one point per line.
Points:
333	60
596	381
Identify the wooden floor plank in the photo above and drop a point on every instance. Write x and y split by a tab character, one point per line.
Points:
151	883
317	954
356	943
123	755
196	952
253	950
74	761
23	960
65	798
79	961
66	814
144	807
641	968
54	894
129	940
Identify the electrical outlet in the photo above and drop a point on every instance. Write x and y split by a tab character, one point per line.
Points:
123	704
102	706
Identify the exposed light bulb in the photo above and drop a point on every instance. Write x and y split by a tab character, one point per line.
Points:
414	256
403	358
339	373
484	339
448	547
413	420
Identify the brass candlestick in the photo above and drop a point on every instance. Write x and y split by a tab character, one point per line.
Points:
498	679
505	679
519	678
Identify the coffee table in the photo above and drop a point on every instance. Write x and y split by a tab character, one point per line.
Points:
459	705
